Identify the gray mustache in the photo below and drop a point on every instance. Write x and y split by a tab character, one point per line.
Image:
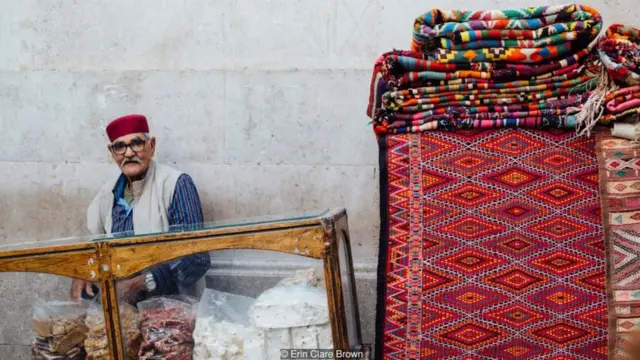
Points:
132	160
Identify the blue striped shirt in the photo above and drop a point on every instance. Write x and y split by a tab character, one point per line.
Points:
185	209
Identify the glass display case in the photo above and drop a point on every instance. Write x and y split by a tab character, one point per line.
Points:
248	288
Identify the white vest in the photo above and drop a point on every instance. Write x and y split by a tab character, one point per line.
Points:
152	198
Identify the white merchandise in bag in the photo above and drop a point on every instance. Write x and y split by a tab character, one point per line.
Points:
222	326
290	306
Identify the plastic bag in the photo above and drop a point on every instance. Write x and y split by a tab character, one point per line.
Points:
96	344
167	328
292	314
59	330
187	303
311	277
298	300
225	306
290	306
221	326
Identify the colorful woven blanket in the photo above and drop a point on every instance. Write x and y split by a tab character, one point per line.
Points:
402	68
547	114
530	35
617	97
619	51
622	104
411	94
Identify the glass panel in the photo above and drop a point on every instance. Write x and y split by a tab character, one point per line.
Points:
38	319
257	220
23	245
219	224
229	223
230	304
348	292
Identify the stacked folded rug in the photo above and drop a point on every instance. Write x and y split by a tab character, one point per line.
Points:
530	68
619	51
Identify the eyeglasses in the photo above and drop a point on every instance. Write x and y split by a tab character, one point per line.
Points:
120	147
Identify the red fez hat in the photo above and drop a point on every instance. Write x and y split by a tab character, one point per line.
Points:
128	124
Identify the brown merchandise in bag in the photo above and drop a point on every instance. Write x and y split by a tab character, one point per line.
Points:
59	330
167	328
96	344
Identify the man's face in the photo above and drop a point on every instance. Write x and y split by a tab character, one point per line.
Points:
133	153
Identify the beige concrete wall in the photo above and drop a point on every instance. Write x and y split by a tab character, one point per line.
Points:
261	101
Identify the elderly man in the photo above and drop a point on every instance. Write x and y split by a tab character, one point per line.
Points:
146	198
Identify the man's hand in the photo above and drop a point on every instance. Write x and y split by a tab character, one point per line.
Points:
76	289
128	290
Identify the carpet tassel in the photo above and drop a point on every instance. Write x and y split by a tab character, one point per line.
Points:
593	108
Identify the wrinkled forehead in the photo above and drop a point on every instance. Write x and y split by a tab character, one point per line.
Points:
127	138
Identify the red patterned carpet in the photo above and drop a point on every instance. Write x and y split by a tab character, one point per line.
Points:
492	247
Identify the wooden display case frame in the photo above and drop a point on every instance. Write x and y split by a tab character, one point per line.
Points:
106	262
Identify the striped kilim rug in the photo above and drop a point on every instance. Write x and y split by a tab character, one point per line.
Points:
620	182
492	247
